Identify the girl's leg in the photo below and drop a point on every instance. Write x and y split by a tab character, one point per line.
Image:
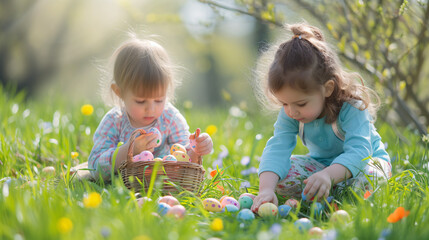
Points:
302	167
377	170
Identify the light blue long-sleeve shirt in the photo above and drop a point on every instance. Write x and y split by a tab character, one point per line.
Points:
361	141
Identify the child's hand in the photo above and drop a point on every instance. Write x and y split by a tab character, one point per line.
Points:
318	184
203	144
144	142
263	197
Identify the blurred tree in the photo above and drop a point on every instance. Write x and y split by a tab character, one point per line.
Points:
387	40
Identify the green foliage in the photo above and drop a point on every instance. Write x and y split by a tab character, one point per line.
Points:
34	204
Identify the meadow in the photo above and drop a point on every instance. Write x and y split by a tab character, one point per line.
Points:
54	132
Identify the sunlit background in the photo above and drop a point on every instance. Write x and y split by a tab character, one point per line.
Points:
50	47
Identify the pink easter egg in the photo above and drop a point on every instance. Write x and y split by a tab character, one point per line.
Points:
158	138
170	200
143	156
177	210
230	201
177	147
293	203
247	194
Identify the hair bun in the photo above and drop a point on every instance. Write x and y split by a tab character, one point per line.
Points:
306	31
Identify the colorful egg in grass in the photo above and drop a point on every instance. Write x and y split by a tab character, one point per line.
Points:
247	194
177	210
340	216
177	147
158	138
317	208
143	156
141	201
245	215
157	159
293	203
170	200
230	208
267	210
245	202
284	210
303	224
170	158
181	156
230	201
315	231
224	196
163	208
212	205
49	170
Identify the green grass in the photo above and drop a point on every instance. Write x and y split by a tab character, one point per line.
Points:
44	133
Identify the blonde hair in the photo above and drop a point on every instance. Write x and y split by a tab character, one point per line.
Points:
143	67
306	62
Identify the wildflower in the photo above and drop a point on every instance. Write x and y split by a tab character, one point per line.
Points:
425	138
64	225
92	201
217	224
87	109
397	215
226	95
402	85
367	194
214	172
211	130
74	155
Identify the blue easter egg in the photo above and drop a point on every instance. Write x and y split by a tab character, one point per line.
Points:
163	208
318	208
245	215
284	210
303	224
230	208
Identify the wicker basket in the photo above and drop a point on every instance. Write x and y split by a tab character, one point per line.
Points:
186	175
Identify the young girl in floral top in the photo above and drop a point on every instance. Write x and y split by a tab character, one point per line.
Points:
143	83
329	110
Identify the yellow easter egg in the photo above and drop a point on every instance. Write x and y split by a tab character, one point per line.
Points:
267	210
181	156
177	147
212	205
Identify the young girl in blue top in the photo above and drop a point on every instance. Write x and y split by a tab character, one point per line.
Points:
143	87
329	110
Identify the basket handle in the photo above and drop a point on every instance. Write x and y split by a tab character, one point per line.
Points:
133	137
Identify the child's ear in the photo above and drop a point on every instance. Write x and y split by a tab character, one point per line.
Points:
116	89
329	87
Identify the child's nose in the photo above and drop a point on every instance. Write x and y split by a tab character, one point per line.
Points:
150	107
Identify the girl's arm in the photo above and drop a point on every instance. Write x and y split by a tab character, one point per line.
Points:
267	185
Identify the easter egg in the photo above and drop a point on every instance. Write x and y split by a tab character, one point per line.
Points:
315	231
340	216
163	208
293	203
304	197
212	205
143	200
177	210
157	159
230	208
158	138
49	170
317	208
303	224
267	210
177	147
170	200
245	202
169	158
143	156
230	201
284	210
247	194
245	215
181	156
224	196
